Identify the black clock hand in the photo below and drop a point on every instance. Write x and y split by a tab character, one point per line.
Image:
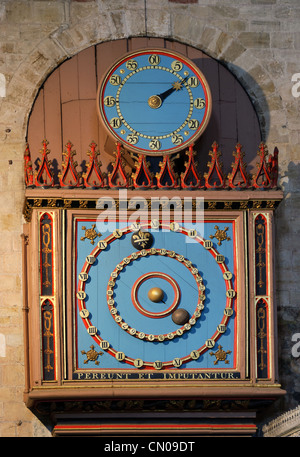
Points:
175	86
155	101
165	94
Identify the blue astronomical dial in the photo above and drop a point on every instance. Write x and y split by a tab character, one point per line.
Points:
165	302
154	102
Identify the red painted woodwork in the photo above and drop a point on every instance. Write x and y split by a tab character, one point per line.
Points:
69	176
167	178
94	177
215	169
28	174
190	178
44	176
262	178
238	178
143	177
118	177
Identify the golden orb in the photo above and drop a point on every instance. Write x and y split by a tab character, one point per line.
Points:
154	101
156	294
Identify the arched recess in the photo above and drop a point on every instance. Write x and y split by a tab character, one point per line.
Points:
65	108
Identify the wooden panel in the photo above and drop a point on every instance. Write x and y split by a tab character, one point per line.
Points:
138	43
155	43
193	53
177	47
88	126
107	54
87	74
69	80
71	124
52	113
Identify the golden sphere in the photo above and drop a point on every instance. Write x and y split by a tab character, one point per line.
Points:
154	101
156	294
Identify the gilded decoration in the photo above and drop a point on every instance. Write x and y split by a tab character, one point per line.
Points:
75	203
220	235
220	355
90	234
92	355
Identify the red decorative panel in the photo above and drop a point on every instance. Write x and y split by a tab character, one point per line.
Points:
44	176
190	178
167	178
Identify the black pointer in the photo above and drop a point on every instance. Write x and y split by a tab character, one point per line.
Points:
168	92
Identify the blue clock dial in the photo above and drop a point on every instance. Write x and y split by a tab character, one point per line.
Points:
154	102
156	308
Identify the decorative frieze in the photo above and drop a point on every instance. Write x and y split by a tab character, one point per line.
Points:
142	177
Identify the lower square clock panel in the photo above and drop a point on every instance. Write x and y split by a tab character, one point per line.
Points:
155	299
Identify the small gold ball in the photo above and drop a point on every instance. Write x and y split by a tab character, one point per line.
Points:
156	294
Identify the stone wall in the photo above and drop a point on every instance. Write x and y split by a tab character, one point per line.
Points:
258	40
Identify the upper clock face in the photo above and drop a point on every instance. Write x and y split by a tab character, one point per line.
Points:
154	101
155	301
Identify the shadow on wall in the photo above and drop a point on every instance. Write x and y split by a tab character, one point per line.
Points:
238	115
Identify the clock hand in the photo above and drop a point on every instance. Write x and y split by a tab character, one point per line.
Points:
175	87
165	94
155	101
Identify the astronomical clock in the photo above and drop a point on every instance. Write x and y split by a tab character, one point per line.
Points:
149	296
